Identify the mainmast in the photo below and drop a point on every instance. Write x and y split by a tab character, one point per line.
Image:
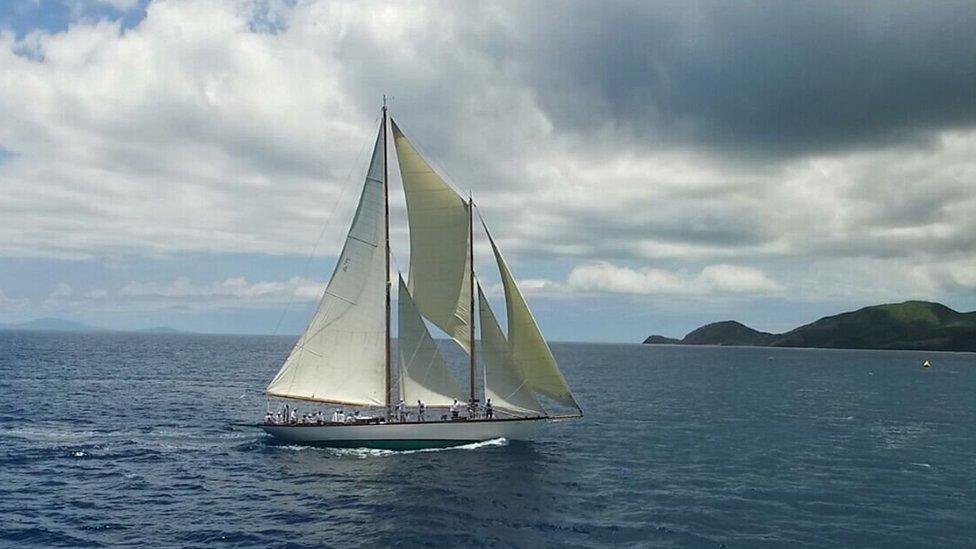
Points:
471	291
386	202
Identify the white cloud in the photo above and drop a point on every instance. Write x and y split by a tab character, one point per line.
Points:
235	291
8	304
61	290
98	293
713	279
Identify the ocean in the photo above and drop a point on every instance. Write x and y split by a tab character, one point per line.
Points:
111	440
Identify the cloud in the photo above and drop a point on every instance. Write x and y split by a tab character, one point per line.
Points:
769	79
235	291
9	304
713	279
791	138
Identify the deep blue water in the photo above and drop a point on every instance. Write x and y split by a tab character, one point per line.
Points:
123	440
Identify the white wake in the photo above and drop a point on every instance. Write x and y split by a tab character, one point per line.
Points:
364	453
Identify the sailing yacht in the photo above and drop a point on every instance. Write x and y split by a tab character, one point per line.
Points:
344	356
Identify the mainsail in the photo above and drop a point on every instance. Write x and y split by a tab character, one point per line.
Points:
341	357
423	373
504	384
439	262
529	349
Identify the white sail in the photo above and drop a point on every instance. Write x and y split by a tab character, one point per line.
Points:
529	349
504	384
423	373
439	265
341	357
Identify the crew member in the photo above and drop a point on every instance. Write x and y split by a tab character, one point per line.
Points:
421	409
489	411
402	410
455	408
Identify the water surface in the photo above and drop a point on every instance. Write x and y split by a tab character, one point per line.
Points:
123	440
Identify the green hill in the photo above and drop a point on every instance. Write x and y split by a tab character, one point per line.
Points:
910	325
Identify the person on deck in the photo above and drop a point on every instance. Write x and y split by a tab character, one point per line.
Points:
268	417
342	416
421	409
402	411
455	408
335	416
489	411
293	417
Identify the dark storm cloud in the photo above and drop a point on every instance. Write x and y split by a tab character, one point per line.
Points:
780	78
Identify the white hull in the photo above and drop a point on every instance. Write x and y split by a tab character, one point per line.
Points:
407	435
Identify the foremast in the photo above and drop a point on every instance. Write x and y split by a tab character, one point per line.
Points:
386	205
471	339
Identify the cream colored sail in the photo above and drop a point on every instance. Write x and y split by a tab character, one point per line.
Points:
341	357
439	265
504	384
423	373
529	349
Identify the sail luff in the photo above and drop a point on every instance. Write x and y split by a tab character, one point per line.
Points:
386	206
471	344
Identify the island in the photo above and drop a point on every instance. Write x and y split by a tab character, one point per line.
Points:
912	325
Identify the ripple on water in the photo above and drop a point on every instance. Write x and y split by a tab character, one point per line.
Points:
680	447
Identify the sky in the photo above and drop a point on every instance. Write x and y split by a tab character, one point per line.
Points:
647	167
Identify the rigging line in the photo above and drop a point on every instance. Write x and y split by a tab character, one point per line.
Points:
325	228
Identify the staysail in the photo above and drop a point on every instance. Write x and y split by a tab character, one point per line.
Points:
504	384
529	349
341	357
423	373
439	262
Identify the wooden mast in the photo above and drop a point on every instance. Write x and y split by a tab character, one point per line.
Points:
386	201
471	291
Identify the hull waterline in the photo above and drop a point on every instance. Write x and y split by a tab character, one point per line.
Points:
405	436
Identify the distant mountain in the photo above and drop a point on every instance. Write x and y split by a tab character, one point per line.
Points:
61	325
660	340
910	325
162	330
730	332
52	325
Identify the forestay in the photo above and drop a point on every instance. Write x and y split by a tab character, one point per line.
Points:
423	373
504	384
530	351
439	263
341	357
